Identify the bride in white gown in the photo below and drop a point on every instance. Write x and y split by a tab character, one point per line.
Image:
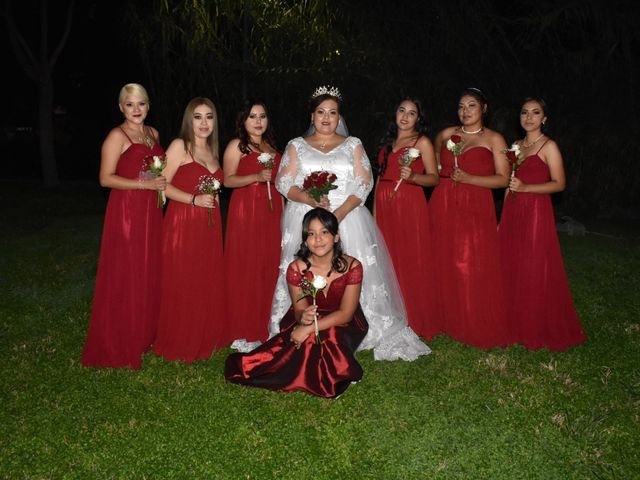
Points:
389	334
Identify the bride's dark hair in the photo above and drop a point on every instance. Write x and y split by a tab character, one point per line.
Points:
330	222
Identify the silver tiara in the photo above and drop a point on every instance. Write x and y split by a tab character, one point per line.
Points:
327	90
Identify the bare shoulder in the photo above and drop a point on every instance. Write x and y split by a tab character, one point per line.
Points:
494	138
154	131
446	133
424	141
176	147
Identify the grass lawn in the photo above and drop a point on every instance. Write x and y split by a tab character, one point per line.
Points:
458	413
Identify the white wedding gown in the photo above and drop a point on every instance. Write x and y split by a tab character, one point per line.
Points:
389	334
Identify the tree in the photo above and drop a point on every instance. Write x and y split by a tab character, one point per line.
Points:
38	63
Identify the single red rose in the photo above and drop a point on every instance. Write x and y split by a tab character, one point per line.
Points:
456	138
511	156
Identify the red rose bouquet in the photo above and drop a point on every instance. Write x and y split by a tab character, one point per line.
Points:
319	183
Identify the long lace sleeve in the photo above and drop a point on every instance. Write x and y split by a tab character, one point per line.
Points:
362	178
286	176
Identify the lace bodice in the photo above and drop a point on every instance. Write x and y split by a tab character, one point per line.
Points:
348	161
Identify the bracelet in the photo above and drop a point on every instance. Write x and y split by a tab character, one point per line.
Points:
193	200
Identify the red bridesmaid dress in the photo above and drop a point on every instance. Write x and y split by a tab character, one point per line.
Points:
252	253
192	310
467	254
324	369
405	225
539	304
127	293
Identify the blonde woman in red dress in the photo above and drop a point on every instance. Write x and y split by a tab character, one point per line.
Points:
127	293
401	211
539	305
252	242
192	311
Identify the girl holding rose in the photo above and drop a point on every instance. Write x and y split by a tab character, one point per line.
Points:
407	163
539	304
125	302
192	310
252	242
324	287
467	254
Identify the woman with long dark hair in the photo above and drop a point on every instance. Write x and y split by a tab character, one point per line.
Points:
252	240
192	319
319	334
406	164
467	253
540	309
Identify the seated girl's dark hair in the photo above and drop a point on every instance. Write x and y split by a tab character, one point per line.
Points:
330	222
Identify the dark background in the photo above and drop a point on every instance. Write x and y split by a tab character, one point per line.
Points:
580	56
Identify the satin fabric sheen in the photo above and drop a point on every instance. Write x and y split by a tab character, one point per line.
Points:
405	225
539	304
252	244
467	254
192	319
125	303
324	369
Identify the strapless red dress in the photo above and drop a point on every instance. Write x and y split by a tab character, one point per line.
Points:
539	305
192	311
252	244
467	254
127	294
324	369
405	225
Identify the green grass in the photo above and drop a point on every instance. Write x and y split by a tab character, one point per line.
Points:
458	413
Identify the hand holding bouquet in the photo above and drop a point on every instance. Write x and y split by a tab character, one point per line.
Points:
319	183
266	160
210	185
407	159
153	167
311	284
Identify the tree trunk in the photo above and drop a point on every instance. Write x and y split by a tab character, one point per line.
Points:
47	147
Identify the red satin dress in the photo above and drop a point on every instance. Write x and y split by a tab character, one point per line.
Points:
324	369
467	254
404	222
192	311
252	244
539	304
127	294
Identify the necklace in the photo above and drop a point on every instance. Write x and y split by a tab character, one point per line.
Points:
323	144
256	145
472	133
524	145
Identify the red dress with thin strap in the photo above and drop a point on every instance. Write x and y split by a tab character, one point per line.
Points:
467	254
125	303
404	222
324	369
192	310
252	252
539	304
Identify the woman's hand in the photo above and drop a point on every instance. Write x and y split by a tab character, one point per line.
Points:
300	333
263	176
517	185
460	176
156	183
406	172
204	200
323	203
